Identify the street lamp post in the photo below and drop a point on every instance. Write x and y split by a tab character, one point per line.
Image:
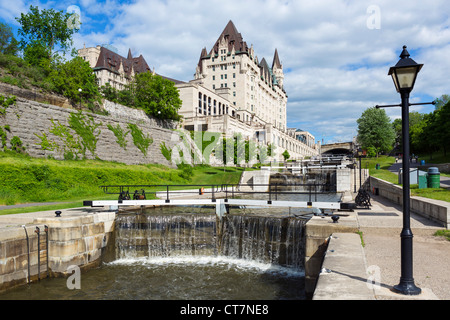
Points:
360	154
404	75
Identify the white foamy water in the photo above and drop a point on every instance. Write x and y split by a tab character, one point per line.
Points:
210	261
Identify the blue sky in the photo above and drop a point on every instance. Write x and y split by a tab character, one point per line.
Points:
336	53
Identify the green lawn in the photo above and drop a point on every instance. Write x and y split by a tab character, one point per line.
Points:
436	157
384	174
24	179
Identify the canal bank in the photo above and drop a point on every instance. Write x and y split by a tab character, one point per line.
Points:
341	260
366	266
42	244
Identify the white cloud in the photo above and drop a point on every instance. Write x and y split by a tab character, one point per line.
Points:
335	66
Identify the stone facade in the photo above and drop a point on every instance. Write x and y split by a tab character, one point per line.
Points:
28	119
253	85
233	92
113	69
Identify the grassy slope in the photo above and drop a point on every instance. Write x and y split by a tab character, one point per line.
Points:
385	174
27	180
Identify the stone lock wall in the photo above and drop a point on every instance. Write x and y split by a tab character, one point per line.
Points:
74	239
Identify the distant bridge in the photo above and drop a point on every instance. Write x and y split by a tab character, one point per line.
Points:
338	148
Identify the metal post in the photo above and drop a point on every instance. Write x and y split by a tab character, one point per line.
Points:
406	285
360	173
39	253
46	246
28	253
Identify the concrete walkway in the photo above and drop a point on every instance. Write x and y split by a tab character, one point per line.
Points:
346	269
381	227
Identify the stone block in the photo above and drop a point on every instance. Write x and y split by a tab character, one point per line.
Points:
7	265
66	248
92	229
64	234
60	265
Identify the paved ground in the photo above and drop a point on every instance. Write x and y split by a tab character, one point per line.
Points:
381	227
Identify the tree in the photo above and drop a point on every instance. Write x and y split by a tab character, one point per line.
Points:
286	155
37	55
375	130
415	121
443	100
73	75
8	44
155	95
45	31
443	124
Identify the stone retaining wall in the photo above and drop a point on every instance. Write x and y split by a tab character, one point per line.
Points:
435	210
29	118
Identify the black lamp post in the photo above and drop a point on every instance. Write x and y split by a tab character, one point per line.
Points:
360	154
404	75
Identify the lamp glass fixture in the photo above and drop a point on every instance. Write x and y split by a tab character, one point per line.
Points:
405	72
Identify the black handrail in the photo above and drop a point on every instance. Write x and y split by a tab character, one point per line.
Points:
273	190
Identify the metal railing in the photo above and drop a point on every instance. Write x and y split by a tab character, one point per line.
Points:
273	191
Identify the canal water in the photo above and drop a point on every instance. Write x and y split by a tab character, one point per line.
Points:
186	253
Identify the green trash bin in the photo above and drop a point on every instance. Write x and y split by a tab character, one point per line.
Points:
377	166
434	178
423	181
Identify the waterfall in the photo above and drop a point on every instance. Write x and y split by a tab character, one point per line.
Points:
324	179
272	240
164	235
265	239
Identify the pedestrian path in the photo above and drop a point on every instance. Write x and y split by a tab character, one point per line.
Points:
34	204
381	227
